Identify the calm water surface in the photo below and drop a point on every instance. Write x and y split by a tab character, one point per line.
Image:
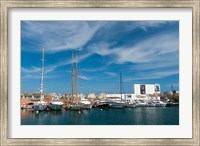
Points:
127	116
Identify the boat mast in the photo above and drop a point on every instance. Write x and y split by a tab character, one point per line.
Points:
72	75
121	85
172	87
76	76
42	77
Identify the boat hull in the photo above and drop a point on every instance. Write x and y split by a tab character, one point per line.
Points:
160	105
55	107
73	107
172	104
141	105
117	105
86	106
40	107
103	105
130	105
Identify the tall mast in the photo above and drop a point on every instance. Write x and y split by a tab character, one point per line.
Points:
172	88
72	74
42	77
76	76
121	85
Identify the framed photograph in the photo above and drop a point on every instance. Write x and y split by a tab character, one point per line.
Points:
100	72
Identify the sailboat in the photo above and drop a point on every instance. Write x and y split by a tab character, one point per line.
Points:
128	103
75	105
41	105
119	104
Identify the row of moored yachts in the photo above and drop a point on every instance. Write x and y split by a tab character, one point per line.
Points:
56	104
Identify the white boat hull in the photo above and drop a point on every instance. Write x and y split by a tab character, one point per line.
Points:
55	107
40	107
86	106
141	104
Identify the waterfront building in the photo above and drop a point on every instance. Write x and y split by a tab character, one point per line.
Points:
147	91
101	96
91	96
55	95
81	96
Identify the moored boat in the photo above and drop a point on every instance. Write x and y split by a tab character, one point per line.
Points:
130	105
56	104
150	104
117	105
141	103
85	104
73	106
169	104
41	105
102	104
159	103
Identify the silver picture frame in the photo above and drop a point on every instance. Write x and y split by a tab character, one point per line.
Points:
8	4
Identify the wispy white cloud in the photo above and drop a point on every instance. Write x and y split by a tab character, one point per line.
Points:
33	69
96	69
144	25
84	77
113	74
38	76
152	50
152	75
59	36
52	67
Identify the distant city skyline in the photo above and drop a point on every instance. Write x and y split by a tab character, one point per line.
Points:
144	52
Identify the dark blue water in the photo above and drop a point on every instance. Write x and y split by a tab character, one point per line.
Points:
127	116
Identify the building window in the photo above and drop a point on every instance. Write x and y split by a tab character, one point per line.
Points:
142	89
157	88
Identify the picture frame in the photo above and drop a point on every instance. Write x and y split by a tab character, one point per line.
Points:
6	5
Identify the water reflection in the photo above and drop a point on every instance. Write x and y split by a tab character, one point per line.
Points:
128	116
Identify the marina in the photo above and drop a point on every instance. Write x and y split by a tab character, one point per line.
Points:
99	83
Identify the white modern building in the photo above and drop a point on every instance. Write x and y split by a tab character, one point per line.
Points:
147	91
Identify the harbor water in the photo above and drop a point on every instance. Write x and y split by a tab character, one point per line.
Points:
97	116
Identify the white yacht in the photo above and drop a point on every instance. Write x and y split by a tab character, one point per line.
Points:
115	103
141	103
159	103
130	104
151	104
56	104
85	104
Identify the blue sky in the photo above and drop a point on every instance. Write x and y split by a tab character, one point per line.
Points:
143	51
